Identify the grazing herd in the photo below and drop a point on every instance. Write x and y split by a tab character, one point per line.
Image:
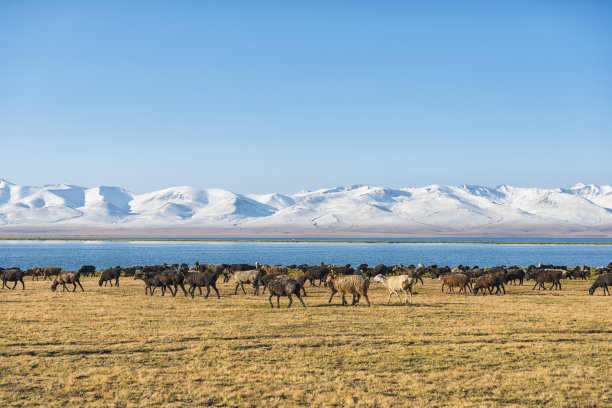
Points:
288	281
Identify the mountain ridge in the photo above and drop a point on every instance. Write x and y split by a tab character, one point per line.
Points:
357	209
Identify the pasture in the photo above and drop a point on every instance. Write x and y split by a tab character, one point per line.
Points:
117	347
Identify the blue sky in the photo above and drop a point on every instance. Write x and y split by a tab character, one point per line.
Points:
283	96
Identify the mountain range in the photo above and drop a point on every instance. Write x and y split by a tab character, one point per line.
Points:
359	210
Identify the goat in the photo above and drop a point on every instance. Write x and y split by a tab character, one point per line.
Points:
354	284
395	283
67	277
602	281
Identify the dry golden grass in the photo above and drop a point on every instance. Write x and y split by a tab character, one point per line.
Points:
117	347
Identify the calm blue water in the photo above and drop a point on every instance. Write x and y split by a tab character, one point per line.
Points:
72	254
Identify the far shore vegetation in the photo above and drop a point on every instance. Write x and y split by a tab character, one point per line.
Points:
560	241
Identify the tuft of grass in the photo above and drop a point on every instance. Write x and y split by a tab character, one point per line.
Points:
117	347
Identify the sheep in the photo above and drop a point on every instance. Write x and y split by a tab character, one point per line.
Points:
87	270
342	269
300	279
513	274
12	275
354	284
242	277
546	275
460	280
176	279
67	277
131	271
271	270
489	281
602	281
150	281
395	283
165	280
108	275
410	270
199	279
312	273
283	287
579	272
49	271
235	268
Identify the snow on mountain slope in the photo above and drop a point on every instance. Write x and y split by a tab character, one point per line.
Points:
434	209
276	201
190	203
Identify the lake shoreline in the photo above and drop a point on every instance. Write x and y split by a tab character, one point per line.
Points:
306	240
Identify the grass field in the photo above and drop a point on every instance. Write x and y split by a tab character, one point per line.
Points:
117	347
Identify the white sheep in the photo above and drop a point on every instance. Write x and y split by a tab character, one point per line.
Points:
242	277
395	283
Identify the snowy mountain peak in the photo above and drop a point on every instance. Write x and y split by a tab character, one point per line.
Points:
436	209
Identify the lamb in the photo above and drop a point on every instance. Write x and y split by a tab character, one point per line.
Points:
242	277
283	287
67	277
453	280
602	281
108	275
354	284
12	275
395	283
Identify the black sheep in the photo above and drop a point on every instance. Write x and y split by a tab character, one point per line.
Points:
12	275
602	281
283	287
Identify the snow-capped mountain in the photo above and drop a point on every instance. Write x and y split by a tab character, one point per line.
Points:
361	209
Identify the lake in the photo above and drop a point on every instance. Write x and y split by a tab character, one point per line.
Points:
71	255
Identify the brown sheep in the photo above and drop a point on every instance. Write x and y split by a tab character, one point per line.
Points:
489	281
455	280
272	270
67	277
48	272
353	284
544	276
